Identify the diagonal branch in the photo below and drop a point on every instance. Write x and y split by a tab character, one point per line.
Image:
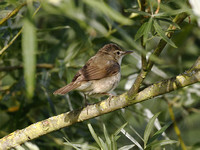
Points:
14	12
54	123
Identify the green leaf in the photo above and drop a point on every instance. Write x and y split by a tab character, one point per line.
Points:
115	137
119	129
159	132
107	10
137	12
127	147
70	144
29	46
108	141
141	31
147	30
94	135
149	128
78	146
53	29
144	30
162	34
114	143
160	143
103	144
169	21
131	139
151	3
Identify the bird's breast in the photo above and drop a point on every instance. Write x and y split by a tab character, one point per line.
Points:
103	85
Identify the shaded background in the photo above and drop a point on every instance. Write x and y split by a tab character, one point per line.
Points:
58	41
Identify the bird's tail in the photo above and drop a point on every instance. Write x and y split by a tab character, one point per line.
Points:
67	88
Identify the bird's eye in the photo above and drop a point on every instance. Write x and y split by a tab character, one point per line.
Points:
118	52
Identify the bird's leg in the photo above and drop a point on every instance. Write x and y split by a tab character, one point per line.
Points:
110	96
85	101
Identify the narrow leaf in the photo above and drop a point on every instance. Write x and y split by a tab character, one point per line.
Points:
29	59
141	31
114	143
147	30
70	144
119	129
159	132
94	135
103	144
137	12
132	139
149	128
115	136
127	147
160	143
162	34
108	141
169	21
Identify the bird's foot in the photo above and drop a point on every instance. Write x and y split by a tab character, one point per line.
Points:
110	96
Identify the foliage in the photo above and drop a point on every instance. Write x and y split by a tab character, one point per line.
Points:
58	37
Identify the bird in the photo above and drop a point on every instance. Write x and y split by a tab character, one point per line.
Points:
100	75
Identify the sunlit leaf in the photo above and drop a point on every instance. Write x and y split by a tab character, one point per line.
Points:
114	143
132	139
29	45
103	144
160	143
127	147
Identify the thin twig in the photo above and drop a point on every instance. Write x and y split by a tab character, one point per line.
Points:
15	37
11	42
14	12
158	7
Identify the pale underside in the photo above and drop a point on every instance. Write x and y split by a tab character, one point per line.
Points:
97	88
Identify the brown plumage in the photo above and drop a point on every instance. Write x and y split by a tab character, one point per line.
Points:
103	66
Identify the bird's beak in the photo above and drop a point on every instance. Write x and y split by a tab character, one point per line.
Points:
127	52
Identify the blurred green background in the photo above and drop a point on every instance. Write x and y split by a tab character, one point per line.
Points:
58	37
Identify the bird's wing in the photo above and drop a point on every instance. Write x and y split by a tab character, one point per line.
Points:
94	71
91	71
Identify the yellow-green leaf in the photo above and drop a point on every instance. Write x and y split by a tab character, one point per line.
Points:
29	59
